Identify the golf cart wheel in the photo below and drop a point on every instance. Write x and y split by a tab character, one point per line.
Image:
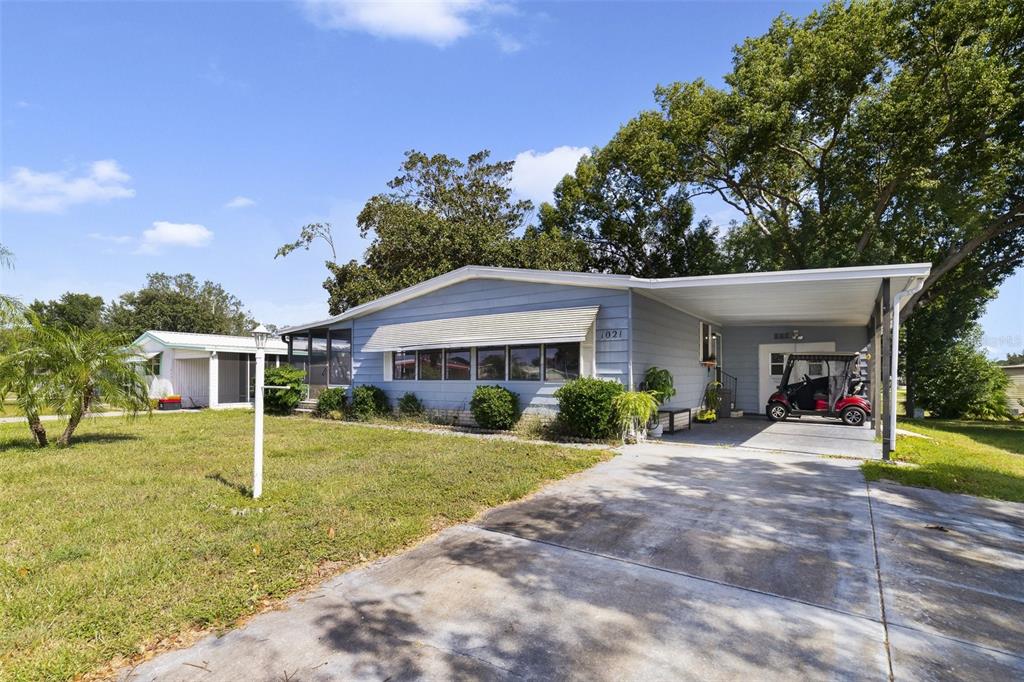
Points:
777	412
853	416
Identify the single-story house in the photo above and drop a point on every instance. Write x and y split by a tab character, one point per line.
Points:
1015	391
206	370
531	330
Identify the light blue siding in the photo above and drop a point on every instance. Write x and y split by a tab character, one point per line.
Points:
740	350
485	296
667	338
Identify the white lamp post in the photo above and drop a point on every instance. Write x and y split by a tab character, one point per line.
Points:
260	334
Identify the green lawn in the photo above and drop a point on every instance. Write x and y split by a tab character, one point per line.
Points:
978	458
142	530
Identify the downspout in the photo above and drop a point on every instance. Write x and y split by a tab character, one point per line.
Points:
897	301
629	337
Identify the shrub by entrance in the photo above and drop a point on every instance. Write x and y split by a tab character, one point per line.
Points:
585	407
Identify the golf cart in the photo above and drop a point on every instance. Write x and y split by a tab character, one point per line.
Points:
823	384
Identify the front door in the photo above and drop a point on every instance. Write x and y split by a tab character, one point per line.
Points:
771	362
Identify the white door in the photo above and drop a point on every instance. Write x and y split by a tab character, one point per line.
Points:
771	363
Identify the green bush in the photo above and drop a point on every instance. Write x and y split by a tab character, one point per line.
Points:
283	401
962	383
494	407
410	406
585	407
369	402
331	401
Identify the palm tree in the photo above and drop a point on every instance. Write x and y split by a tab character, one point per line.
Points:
10	307
84	363
23	372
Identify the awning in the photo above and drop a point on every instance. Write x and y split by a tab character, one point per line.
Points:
559	325
143	357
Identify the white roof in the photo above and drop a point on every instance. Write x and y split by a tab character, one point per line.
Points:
210	342
559	325
839	296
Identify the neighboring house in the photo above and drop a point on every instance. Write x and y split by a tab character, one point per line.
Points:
1015	391
206	370
531	330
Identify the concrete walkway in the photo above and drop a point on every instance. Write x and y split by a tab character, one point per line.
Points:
668	562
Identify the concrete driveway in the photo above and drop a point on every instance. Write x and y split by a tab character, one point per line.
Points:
806	435
667	562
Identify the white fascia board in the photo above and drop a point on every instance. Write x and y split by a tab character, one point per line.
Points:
813	275
607	281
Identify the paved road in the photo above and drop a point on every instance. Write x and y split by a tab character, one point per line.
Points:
668	562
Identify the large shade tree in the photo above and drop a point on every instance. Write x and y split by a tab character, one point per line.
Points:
441	213
179	303
629	204
868	132
71	310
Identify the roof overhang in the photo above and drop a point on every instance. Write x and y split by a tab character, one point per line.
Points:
826	296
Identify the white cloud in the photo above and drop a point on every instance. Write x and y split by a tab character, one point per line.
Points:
40	192
535	174
112	238
239	202
164	233
437	22
22	104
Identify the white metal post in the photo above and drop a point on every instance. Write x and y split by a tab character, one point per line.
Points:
897	303
257	450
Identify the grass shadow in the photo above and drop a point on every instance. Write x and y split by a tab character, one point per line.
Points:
26	444
240	488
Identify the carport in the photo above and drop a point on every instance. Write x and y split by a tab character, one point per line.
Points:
751	315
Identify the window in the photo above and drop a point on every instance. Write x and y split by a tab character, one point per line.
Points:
707	343
561	361
490	364
404	365
456	364
524	363
778	364
341	357
816	369
153	365
430	364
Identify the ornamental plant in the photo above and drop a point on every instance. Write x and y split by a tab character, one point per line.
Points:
410	406
331	402
633	410
585	407
659	382
283	400
494	407
369	401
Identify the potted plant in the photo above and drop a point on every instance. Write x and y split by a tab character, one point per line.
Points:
633	411
708	412
658	382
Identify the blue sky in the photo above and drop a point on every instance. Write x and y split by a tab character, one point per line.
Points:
199	136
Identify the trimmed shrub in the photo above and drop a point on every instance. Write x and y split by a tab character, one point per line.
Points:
410	406
369	402
278	400
585	407
331	401
494	407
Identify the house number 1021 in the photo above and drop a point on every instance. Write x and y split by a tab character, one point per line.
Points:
611	334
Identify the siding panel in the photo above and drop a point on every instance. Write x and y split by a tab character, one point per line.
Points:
485	296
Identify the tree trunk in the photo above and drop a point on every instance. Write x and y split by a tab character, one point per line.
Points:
35	425
911	401
75	419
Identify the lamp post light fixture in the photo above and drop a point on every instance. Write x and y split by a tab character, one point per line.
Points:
261	334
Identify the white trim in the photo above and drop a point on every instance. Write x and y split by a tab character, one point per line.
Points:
606	281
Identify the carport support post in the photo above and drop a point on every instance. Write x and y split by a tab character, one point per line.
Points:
214	382
886	367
